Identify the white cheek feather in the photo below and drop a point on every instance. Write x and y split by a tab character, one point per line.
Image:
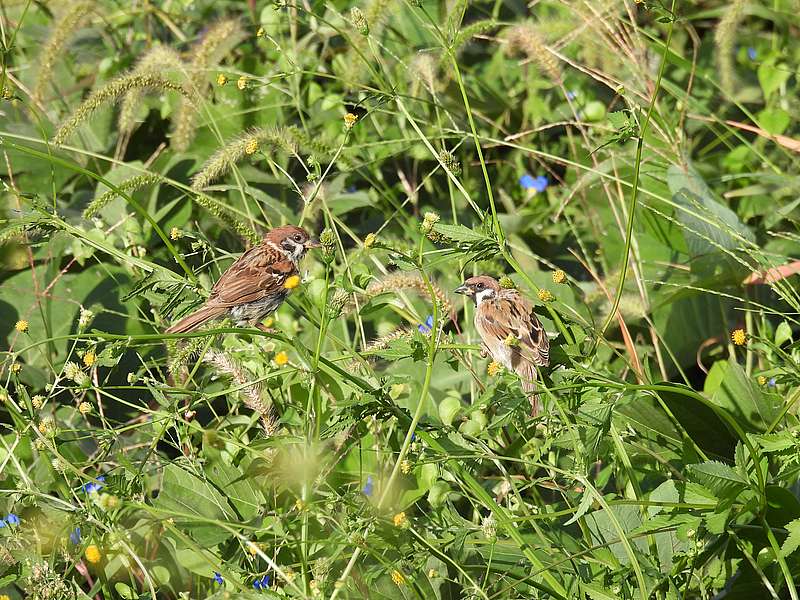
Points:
483	295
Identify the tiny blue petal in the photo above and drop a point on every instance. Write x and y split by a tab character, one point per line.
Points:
367	489
12	519
2	523
265	581
540	183
75	536
526	181
218	577
751	53
771	382
572	95
257	584
413	436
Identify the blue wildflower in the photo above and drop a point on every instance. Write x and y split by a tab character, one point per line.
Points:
257	584
413	436
265	582
2	523
218	578
572	95
751	53
539	183
93	486
425	328
367	489
12	519
771	382
75	536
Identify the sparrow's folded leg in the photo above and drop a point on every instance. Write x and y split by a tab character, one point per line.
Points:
485	351
265	329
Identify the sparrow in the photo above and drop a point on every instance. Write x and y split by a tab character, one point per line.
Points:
510	331
255	284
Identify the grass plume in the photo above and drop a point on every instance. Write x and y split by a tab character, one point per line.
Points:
109	93
63	30
725	39
159	59
404	281
127	186
227	217
526	39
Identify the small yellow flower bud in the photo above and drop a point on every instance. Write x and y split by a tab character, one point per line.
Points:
175	234
398	577
739	337
281	358
762	380
511	340
93	554
559	276
494	368
370	240
89	358
16	367
506	283
85	408
430	219
269	322
260	32
405	467
21	326
37	401
222	79
300	505
350	120
242	82
546	296
292	282
400	520
251	147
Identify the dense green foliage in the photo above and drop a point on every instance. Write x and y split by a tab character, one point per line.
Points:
629	166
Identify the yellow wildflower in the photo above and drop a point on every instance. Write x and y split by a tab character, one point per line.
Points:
260	32
506	283
253	548
559	276
21	326
762	380
93	554
89	358
251	147
292	282
350	120
269	322
16	367
300	505
511	340
370	240
494	368
222	79
400	520
281	358
85	408
242	82
175	234
546	296
739	337
37	401
398	577
405	467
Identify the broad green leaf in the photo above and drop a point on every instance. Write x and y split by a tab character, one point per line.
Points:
772	77
718	477
792	541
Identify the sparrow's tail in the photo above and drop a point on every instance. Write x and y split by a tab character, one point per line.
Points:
196	319
527	373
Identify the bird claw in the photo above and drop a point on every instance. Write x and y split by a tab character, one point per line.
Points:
484	351
264	328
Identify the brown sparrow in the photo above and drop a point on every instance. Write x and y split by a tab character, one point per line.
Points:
511	333
255	285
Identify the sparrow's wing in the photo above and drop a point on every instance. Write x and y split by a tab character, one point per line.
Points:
512	314
258	273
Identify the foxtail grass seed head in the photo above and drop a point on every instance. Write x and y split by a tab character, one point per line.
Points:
21	326
61	33
725	39
159	60
546	295
449	161
739	337
506	283
359	21
251	147
525	39
108	93
126	187
559	276
405	281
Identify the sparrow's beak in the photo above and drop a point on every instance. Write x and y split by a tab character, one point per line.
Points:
462	289
312	243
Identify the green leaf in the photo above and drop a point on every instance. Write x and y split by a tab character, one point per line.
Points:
792	541
731	388
718	477
586	503
771	77
195	504
774	120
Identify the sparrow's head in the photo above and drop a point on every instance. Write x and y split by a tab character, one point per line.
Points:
479	288
293	241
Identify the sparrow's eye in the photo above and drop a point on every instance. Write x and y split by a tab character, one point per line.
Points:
479	286
298	237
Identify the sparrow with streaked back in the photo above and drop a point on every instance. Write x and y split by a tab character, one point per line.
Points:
255	284
510	331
